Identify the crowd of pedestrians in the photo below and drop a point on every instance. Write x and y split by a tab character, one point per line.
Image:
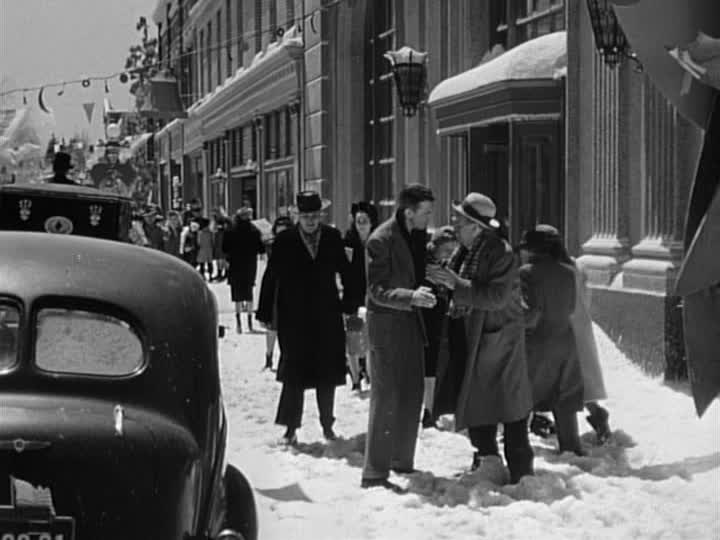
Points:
456	321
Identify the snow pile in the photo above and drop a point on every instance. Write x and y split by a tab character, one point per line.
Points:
658	478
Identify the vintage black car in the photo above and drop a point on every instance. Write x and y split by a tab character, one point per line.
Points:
65	209
111	417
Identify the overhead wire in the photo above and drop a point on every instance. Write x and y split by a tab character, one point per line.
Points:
227	44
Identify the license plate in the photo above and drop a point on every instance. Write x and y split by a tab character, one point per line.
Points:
58	528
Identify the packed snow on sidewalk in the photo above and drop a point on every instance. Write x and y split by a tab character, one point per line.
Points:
658	478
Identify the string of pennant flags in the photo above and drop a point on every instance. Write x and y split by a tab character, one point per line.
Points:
124	75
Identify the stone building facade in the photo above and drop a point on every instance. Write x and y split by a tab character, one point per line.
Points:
284	95
630	163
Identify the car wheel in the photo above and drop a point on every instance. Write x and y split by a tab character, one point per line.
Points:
241	514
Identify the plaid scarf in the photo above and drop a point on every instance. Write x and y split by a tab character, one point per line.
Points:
466	263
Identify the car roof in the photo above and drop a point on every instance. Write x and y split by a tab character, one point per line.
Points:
50	189
162	296
36	264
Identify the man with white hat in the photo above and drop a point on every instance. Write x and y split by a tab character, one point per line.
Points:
483	275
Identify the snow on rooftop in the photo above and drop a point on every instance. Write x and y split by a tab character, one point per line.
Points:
291	38
538	58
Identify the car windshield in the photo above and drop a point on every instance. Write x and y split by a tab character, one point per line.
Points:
86	343
9	323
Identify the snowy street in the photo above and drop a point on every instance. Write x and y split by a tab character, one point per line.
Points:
658	478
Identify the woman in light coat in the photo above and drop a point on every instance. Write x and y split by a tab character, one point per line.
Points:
593	383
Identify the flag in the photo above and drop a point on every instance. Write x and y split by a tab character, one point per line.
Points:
89	108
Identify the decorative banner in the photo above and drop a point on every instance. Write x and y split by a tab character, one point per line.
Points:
41	102
89	108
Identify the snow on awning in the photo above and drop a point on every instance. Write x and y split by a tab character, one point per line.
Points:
520	84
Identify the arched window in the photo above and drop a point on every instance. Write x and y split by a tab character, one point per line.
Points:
379	105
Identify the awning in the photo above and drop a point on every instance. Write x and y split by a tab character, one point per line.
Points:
524	83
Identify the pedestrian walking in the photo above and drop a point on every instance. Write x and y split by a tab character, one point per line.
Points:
189	242
268	295
495	388
171	234
205	249
220	224
364	222
153	231
549	290
241	245
305	262
396	267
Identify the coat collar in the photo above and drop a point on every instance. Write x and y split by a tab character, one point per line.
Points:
400	241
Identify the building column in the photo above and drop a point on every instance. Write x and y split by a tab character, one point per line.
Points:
258	126
607	248
657	256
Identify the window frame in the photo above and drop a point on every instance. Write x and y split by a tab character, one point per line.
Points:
15	303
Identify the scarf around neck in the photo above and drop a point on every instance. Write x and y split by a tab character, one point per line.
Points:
466	262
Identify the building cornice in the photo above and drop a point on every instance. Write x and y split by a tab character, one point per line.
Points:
272	75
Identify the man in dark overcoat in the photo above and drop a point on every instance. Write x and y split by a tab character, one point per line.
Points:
304	265
396	263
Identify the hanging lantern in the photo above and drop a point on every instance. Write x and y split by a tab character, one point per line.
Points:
610	39
410	73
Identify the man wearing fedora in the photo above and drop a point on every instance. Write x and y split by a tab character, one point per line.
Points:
396	267
62	164
486	299
304	264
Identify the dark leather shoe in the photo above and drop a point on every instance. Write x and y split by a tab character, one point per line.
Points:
329	434
599	422
428	420
401	470
368	483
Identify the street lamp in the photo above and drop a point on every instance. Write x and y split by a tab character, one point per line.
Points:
410	73
610	40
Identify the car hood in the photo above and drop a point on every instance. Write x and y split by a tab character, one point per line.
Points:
119	471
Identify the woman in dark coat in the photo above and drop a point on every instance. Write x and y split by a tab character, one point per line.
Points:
305	262
549	291
267	294
364	222
242	244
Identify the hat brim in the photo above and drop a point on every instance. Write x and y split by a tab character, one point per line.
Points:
324	205
457	208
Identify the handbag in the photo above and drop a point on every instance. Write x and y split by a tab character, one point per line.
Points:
356	336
